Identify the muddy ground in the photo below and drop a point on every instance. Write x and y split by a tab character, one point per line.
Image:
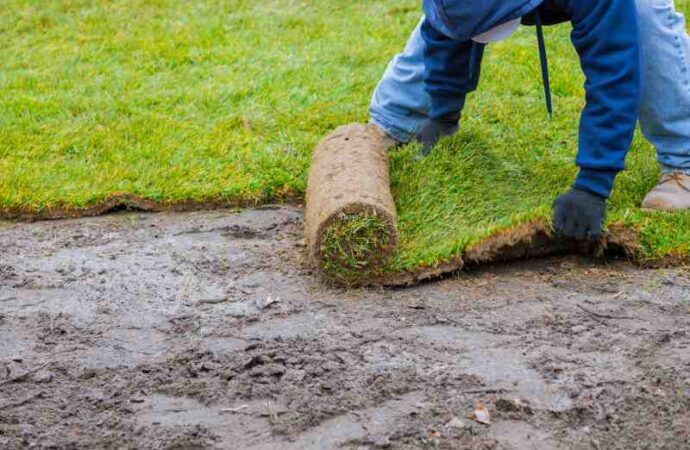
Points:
206	330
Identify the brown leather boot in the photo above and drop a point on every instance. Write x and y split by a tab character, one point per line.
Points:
671	194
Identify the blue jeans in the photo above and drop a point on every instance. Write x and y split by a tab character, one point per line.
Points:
400	104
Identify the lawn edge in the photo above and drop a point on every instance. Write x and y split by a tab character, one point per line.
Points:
130	202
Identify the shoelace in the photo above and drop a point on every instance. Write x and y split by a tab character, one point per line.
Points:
677	177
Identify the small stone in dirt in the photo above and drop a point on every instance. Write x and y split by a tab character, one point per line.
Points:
381	442
577	329
137	399
43	376
456	423
294	375
267	302
209	366
15	371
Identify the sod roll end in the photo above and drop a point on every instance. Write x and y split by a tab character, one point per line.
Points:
350	220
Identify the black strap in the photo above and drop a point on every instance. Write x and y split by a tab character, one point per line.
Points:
544	61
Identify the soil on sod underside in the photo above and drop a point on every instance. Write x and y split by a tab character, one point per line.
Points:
206	330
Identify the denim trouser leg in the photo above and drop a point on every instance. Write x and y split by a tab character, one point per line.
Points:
400	104
665	114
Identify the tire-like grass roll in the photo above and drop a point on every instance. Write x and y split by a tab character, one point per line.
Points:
350	220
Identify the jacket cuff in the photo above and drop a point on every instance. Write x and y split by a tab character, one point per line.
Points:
598	182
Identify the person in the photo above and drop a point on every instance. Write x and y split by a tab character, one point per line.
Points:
402	104
665	111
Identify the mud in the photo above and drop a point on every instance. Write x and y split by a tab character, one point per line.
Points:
207	330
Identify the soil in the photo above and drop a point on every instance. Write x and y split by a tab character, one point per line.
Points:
208	330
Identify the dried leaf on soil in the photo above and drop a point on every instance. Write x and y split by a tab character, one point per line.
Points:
481	414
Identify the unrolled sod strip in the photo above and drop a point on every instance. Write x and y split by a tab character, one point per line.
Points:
351	219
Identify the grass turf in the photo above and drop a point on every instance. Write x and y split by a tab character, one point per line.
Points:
176	101
351	246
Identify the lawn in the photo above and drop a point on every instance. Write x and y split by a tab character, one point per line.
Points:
176	102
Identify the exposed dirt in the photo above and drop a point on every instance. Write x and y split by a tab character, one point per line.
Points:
205	330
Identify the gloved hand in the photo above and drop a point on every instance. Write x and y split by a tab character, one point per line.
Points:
434	129
579	215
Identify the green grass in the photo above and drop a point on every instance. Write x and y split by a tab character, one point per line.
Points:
178	101
353	246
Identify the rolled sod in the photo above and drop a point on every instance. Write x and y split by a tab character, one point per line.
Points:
351	219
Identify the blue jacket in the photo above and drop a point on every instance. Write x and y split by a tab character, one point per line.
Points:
462	20
606	37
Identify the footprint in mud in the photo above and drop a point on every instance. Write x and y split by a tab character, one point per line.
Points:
248	425
305	325
125	348
492	359
674	353
243	232
238	426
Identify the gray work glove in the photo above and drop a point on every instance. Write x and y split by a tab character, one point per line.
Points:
579	215
434	129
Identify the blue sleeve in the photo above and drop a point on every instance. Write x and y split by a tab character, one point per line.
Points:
606	36
451	70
